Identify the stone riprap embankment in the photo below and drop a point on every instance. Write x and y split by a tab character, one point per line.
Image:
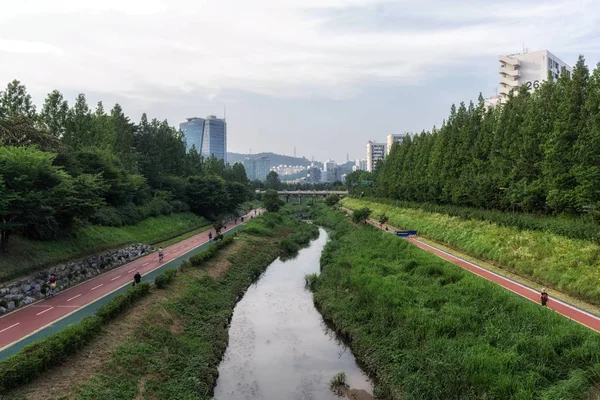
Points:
25	291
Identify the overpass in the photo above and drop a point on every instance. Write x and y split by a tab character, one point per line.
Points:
300	194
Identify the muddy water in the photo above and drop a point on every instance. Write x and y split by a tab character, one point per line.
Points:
279	346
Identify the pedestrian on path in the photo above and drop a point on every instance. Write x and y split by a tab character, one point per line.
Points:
137	278
209	236
544	297
242	219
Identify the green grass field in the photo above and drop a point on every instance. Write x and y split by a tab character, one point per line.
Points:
571	266
25	256
427	329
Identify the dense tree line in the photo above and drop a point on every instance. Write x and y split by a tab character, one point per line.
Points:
538	152
70	165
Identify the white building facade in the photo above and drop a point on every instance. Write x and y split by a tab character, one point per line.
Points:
359	165
529	69
391	139
375	153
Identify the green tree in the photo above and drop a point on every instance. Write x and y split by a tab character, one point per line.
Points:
272	181
271	200
361	215
54	114
78	132
38	197
16	101
18	130
332	200
207	195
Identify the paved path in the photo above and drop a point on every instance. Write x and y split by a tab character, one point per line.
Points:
26	321
570	311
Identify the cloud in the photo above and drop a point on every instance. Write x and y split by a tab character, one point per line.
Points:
28	47
293	48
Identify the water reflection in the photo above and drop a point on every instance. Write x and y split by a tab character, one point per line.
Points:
279	346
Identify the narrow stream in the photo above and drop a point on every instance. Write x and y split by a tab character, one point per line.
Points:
279	346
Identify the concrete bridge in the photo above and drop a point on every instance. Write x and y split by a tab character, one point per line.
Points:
300	194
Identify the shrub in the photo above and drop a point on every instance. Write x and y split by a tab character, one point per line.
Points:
210	252
288	247
122	302
106	216
361	215
162	280
310	281
332	200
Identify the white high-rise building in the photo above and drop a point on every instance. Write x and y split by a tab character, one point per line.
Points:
529	69
375	153
391	139
359	165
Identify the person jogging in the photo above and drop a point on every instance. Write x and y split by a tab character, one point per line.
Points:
160	254
137	278
544	297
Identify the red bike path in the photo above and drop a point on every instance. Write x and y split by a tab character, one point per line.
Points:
570	311
25	322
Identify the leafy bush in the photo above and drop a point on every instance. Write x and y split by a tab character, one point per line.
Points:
332	200
361	215
288	247
122	302
162	280
106	216
210	252
310	281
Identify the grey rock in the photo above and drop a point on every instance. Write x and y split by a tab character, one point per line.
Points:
28	300
11	305
3	310
25	288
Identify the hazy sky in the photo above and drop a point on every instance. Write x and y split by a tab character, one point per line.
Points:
323	75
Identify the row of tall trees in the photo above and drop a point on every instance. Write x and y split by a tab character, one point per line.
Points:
69	165
538	152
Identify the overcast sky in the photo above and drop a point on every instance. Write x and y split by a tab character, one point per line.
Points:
322	75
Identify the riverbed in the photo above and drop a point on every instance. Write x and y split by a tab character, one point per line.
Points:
279	346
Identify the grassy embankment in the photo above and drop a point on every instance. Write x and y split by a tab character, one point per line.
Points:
26	256
568	265
430	330
176	345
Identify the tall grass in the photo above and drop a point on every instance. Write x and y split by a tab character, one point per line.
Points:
430	330
27	256
569	265
576	227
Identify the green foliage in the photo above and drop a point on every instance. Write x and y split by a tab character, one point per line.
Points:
198	259
361	215
539	152
568	265
338	380
271	200
310	281
122	302
579	227
332	200
163	280
272	181
382	218
429	329
288	247
38	357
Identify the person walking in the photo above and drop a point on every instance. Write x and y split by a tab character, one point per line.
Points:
137	278
209	236
544	297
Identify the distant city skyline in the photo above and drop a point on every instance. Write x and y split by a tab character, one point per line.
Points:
336	73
